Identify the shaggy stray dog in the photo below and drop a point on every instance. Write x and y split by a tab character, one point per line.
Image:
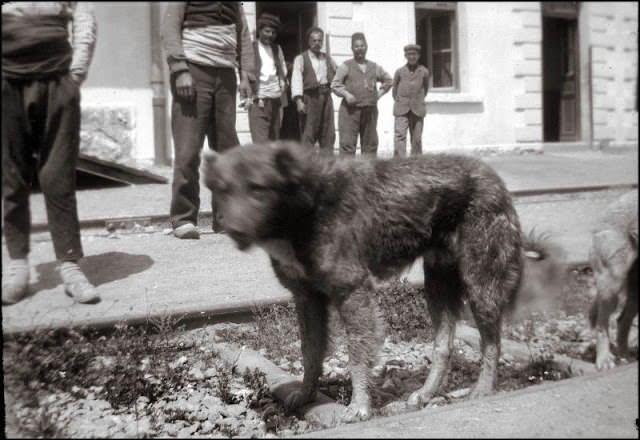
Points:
333	227
614	261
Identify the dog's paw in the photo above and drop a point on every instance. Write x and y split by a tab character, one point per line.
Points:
480	390
605	361
356	413
296	399
418	400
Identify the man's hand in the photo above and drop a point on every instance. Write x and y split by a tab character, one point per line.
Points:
381	92
300	105
245	89
184	85
77	78
350	98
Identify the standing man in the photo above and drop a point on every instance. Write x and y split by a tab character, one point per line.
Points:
41	76
205	42
313	71
355	81
270	87
410	85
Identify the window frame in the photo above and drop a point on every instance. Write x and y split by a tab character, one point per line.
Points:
425	12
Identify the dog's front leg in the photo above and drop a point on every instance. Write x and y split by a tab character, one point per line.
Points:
361	319
312	311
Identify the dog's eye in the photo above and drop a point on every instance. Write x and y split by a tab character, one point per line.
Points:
257	188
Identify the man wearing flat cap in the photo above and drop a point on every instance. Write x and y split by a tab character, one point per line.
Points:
356	82
270	86
410	85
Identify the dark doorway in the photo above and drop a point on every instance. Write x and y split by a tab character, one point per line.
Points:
296	19
560	79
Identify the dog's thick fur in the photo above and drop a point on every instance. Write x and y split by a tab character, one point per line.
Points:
332	227
614	261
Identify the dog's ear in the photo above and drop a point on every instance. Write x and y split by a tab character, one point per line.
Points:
290	162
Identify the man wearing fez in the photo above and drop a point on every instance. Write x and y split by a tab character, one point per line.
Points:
313	71
410	85
205	42
270	86
356	81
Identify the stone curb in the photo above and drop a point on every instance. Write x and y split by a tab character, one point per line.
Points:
324	411
419	424
520	351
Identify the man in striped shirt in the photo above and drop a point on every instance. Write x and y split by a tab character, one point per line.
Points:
205	42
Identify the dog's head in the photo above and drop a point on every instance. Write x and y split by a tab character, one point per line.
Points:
256	188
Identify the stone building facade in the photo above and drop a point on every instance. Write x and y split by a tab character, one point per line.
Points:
506	75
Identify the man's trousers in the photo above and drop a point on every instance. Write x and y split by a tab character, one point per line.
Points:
41	137
413	124
265	120
354	121
318	120
211	113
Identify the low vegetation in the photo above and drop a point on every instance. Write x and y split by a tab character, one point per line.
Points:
138	371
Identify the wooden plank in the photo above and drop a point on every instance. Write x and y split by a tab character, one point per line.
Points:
116	172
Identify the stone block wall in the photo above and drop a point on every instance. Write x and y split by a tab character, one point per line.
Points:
108	133
527	71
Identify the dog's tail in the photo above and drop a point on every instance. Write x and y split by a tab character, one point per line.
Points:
543	277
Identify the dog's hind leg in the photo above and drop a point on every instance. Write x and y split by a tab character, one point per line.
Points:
609	261
443	291
363	326
491	269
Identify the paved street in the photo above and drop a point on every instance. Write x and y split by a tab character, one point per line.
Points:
151	273
602	405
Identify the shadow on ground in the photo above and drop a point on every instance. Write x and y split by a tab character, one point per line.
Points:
99	269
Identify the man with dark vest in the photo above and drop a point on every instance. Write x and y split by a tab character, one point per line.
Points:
356	82
270	86
313	71
43	66
410	86
204	42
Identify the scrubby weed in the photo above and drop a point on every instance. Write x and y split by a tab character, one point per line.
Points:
277	329
223	380
165	325
257	382
541	370
39	363
49	360
539	351
44	422
402	305
272	413
261	399
404	308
